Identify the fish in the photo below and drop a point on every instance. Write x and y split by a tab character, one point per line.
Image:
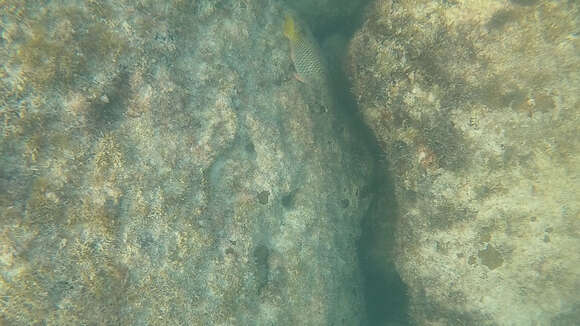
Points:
310	66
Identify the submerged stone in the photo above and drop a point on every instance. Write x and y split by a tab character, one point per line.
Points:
159	165
476	108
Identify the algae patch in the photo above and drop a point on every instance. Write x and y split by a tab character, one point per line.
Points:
490	257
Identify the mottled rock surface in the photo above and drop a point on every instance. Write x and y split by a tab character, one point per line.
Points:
476	105
160	166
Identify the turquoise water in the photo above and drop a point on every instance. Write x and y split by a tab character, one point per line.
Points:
164	163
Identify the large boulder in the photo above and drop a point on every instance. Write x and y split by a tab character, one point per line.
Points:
476	106
160	165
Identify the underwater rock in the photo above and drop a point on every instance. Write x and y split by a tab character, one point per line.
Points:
476	106
159	165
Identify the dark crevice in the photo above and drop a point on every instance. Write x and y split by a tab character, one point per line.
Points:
385	294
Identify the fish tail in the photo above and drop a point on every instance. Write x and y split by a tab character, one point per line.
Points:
290	28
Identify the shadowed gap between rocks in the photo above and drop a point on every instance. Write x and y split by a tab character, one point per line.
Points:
385	294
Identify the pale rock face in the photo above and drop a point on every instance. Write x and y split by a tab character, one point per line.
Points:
159	165
476	105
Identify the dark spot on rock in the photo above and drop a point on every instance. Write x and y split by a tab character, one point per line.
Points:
508	154
546	238
544	103
550	229
263	197
59	290
411	195
485	235
261	257
107	111
533	218
229	251
514	98
447	144
490	257
250	148
145	240
497	93
261	254
288	200
482	191
446	215
344	203
500	18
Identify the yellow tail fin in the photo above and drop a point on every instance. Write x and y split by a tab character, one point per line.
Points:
290	28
